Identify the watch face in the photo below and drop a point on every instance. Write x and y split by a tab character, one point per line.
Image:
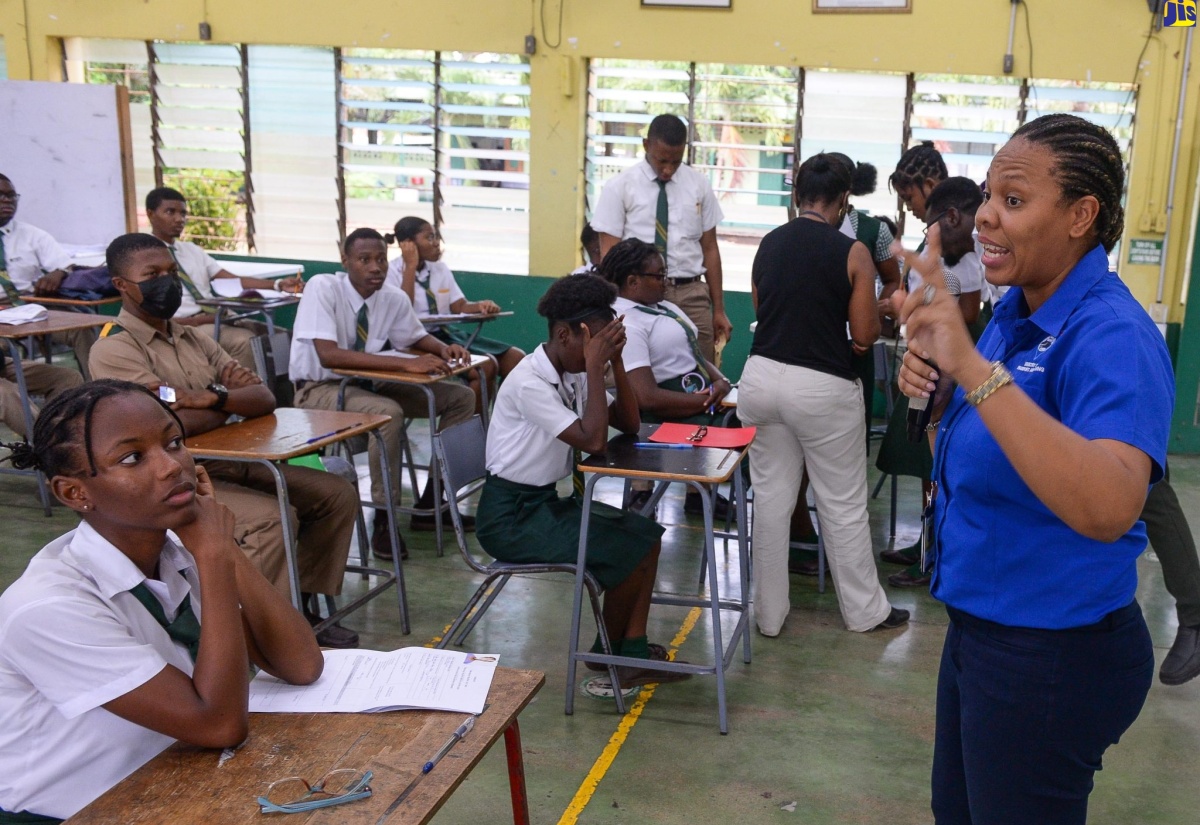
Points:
218	388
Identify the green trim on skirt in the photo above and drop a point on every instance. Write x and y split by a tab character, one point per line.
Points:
480	346
524	524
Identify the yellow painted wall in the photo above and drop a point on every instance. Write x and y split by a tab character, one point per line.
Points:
1095	40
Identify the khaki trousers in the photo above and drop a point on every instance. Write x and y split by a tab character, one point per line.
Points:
46	380
805	417
693	298
323	509
453	403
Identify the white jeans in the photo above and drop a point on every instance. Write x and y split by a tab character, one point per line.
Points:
809	417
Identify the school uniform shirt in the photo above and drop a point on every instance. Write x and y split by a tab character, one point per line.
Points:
30	253
72	638
1091	358
629	204
185	357
328	311
656	341
434	276
534	405
201	268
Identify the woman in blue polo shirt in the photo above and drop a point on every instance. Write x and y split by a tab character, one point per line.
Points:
1043	459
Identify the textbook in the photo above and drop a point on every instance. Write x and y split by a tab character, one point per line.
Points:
374	681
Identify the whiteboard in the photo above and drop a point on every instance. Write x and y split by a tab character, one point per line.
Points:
65	146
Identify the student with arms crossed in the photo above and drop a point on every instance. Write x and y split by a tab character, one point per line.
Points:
166	209
95	679
552	408
344	322
421	274
209	386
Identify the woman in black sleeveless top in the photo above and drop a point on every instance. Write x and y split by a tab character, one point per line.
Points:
799	388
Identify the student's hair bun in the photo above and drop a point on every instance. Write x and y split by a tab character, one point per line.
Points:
389	238
22	455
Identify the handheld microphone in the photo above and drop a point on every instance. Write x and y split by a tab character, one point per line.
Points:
920	411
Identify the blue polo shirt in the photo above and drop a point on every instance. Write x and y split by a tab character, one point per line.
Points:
1092	358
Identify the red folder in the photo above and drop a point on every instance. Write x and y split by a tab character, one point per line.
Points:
728	438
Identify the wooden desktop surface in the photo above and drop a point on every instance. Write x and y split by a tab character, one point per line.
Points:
57	321
185	784
703	464
411	377
287	433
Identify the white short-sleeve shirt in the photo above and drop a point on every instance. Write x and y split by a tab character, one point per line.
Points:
434	276
72	638
201	268
969	271
328	310
29	253
628	207
656	341
533	407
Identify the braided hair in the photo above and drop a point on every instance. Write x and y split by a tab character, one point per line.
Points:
625	259
920	163
55	446
572	301
1087	161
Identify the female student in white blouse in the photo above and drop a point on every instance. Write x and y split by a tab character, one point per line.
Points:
94	679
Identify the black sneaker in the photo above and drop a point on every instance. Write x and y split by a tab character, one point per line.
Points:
1183	661
897	618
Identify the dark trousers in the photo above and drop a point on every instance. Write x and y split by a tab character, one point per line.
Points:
1171	538
1024	716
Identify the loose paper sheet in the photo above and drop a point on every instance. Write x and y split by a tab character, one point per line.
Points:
370	681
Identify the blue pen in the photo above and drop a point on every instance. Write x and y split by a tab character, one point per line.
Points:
654	445
458	734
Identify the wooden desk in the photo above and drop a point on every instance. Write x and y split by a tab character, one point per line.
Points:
185	784
56	321
422	380
290	433
477	318
701	468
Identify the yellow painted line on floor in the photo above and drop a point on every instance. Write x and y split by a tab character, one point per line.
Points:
600	767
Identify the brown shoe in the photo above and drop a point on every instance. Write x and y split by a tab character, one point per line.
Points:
911	577
426	524
381	545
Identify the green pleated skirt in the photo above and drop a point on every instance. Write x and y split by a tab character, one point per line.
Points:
524	524
899	456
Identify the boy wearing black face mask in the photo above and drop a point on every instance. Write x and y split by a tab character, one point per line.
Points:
207	386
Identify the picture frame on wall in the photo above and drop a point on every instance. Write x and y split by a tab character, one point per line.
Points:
688	4
862	6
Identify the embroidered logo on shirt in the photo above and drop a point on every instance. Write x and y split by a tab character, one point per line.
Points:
1045	345
1031	366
